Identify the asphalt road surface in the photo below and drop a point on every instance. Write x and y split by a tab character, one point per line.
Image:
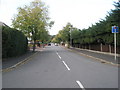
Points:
56	67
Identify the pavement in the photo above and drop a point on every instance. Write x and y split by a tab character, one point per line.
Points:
12	61
56	67
105	56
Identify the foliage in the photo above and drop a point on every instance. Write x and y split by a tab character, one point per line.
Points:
63	35
14	42
98	33
32	20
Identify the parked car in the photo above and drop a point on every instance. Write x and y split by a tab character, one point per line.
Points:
49	44
56	44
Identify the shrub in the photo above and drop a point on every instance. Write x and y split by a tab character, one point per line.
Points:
14	42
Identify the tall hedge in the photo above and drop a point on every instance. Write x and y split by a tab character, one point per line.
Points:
14	42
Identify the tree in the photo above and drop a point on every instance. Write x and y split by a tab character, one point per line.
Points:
114	18
65	33
32	20
44	36
75	34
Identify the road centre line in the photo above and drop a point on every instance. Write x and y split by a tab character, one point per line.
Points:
66	65
63	62
80	85
58	55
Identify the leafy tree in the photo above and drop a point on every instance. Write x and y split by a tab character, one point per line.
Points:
44	36
57	39
96	34
114	18
65	33
75	34
32	20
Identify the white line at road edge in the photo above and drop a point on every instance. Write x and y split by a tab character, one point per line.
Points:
58	55
80	85
66	65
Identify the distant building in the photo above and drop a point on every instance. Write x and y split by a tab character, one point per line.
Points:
3	24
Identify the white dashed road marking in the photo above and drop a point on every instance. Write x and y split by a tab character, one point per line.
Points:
80	85
58	55
78	82
66	65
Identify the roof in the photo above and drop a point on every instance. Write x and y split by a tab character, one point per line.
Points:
2	24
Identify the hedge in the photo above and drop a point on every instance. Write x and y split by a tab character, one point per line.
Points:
14	42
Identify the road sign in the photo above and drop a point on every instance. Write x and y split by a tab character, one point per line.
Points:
115	29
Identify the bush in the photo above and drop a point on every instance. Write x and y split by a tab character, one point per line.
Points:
14	42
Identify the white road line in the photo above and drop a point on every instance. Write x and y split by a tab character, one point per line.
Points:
66	65
58	55
80	85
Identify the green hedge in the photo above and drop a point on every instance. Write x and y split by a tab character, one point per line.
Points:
14	42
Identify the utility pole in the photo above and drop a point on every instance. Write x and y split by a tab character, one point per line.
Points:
70	39
70	35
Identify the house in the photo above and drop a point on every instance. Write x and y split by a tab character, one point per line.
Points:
2	24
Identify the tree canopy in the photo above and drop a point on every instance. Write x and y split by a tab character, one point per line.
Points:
97	33
33	21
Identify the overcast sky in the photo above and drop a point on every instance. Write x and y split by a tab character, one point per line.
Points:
80	13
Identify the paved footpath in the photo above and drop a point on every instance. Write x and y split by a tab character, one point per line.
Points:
100	55
9	62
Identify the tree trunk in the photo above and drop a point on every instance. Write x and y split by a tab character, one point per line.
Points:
34	46
89	47
101	47
42	44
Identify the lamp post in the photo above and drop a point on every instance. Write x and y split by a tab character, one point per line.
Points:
70	35
70	39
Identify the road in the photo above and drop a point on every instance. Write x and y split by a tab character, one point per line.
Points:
56	67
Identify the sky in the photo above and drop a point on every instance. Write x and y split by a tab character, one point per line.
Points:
80	13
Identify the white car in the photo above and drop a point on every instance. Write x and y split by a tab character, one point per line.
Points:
56	44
